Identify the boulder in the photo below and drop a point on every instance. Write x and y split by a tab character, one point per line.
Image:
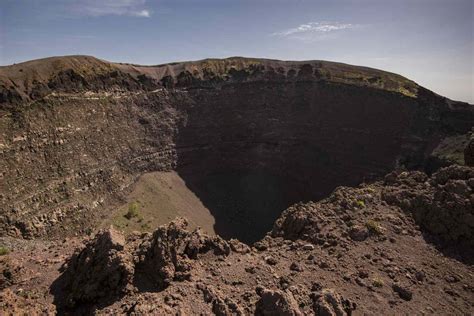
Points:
358	233
276	302
167	256
329	303
101	270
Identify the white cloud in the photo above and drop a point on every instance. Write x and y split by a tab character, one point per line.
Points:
111	7
314	29
142	13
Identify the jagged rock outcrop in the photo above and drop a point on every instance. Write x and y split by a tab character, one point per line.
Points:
166	256
328	303
110	266
329	220
443	205
276	302
102	270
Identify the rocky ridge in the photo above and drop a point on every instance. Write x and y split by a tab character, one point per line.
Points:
356	252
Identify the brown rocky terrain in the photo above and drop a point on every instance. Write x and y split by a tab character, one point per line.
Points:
356	252
86	143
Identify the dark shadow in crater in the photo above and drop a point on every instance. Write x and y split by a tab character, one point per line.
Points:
245	204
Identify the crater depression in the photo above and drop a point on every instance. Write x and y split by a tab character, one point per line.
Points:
236	140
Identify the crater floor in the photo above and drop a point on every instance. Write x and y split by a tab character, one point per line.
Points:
240	205
158	198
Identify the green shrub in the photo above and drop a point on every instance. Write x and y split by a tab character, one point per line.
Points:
360	203
132	211
377	282
374	227
4	251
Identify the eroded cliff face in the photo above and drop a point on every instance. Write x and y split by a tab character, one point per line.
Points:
249	136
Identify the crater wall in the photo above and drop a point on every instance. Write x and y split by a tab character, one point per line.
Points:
249	137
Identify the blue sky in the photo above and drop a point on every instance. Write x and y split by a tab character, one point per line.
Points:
429	41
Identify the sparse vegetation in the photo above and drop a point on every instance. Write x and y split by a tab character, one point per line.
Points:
377	282
360	203
4	251
374	227
132	211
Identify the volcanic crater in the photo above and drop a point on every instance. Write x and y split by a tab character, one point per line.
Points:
241	147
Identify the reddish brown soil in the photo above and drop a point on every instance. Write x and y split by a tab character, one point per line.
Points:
351	252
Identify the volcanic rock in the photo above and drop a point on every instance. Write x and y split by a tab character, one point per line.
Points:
166	255
359	233
403	291
329	303
99	271
276	302
443	205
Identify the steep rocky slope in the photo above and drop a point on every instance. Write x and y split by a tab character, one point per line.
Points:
76	132
361	251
